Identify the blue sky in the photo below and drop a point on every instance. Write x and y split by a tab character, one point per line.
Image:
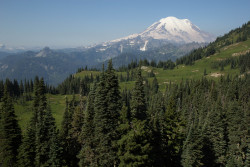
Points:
72	23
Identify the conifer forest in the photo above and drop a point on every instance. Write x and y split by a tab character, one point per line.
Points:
194	123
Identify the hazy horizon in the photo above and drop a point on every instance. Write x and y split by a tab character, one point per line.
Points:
62	23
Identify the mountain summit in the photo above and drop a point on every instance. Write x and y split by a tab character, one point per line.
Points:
173	30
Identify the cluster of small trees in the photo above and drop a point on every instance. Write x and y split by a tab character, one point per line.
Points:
74	84
242	62
169	64
23	89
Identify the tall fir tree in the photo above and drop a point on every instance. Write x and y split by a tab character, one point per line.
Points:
172	133
64	135
217	133
107	107
235	135
87	152
134	147
155	85
100	121
10	132
138	102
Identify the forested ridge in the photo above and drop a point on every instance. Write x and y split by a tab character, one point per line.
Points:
194	122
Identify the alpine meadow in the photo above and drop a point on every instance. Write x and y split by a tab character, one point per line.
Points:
172	95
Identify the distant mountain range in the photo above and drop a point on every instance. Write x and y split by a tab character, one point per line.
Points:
169	38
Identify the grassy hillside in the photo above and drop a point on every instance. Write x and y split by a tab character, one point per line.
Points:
195	71
57	104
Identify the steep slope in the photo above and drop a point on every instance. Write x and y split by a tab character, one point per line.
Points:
174	30
166	52
170	30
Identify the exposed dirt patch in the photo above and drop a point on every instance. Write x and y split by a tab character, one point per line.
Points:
195	70
219	59
241	53
167	82
230	46
216	74
145	69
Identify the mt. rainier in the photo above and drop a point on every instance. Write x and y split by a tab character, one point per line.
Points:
161	35
173	30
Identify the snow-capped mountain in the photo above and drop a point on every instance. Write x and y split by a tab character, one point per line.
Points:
174	30
165	31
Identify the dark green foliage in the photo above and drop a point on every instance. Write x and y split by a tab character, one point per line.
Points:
217	132
235	134
10	132
71	127
41	146
138	103
205	72
87	153
100	120
107	106
27	152
135	146
155	86
75	85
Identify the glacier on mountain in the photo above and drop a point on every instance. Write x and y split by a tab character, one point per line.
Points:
174	30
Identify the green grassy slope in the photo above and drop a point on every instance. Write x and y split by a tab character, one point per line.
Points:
57	105
196	71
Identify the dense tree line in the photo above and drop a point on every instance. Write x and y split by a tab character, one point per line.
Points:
23	89
194	123
169	64
76	85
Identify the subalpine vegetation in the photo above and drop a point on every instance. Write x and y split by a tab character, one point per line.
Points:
195	122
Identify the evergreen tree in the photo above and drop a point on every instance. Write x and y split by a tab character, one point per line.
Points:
138	103
10	132
64	134
74	134
1	89
107	107
100	121
134	147
155	85
235	134
44	147
87	152
172	133
156	112
217	133
27	152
